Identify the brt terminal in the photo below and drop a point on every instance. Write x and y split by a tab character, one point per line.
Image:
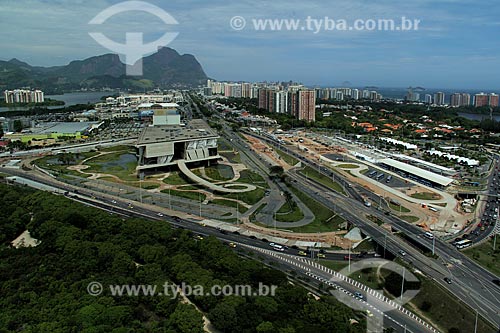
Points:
415	173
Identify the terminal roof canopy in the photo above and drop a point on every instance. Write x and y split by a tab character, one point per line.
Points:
430	176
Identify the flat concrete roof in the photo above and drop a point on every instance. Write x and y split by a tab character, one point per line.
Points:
430	176
196	129
428	164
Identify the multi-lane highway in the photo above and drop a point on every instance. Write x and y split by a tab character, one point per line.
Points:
390	314
470	282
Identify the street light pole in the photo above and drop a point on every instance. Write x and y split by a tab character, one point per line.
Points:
402	284
475	324
349	257
199	198
385	244
169	200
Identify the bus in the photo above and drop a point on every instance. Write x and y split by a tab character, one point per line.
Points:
277	247
463	244
389	178
371	174
380	176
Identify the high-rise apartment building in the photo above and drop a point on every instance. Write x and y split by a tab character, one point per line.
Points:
281	101
267	97
23	96
306	105
439	98
493	100
428	99
459	99
246	90
355	94
480	99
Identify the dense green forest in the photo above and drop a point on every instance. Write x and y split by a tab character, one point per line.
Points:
44	288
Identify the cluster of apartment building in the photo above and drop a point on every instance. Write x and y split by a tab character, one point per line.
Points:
23	96
290	98
483	99
341	94
297	101
251	90
456	99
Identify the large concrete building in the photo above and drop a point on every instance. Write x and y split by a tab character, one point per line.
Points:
166	145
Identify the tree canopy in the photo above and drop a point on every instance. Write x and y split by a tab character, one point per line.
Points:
44	288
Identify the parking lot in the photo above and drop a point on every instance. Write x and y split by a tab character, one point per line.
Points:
383	177
121	130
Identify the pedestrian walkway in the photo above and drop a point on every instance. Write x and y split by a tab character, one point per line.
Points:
227	189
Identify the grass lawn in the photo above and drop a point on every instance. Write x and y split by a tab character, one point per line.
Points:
223	144
323	221
335	265
196	196
327	181
287	158
250	177
409	218
366	245
432	302
347	166
426	196
231	157
397	208
229	203
438	304
121	149
249	197
286	213
485	256
237	187
177	178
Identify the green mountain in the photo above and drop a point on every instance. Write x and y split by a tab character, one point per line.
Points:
164	69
